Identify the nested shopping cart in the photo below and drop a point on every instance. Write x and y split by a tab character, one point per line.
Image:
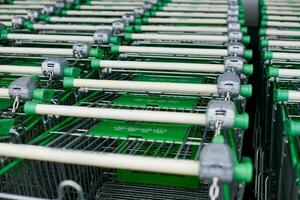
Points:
126	138
279	43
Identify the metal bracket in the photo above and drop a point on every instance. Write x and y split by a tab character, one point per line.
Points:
18	22
216	160
54	66
22	88
220	111
81	50
229	83
234	64
101	37
236	49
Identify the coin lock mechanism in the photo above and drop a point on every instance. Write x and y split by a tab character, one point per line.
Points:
81	50
22	88
216	160
229	83
101	37
234	64
220	111
54	67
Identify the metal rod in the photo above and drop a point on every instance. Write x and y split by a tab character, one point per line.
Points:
69	27
58	38
179	51
95	13
36	51
195	67
85	19
4	93
105	160
14	11
184	28
183	88
128	3
20	69
105	7
200	9
121	114
278	32
283	24
190	14
27	6
159	20
289	73
293	95
283	13
284	18
289	56
182	37
284	43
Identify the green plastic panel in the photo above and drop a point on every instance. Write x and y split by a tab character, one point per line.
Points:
5	126
150	131
156	101
5	103
129	176
170	79
147	131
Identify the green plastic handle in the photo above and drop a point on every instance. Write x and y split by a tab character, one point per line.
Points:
248	54
128	36
292	127
95	63
243	171
248	69
268	55
129	29
241	121
244	30
246	39
264	43
281	95
246	90
5	126
3	34
114	49
72	72
137	28
272	72
262	31
44	95
68	82
28	25
114	40
96	52
29	107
